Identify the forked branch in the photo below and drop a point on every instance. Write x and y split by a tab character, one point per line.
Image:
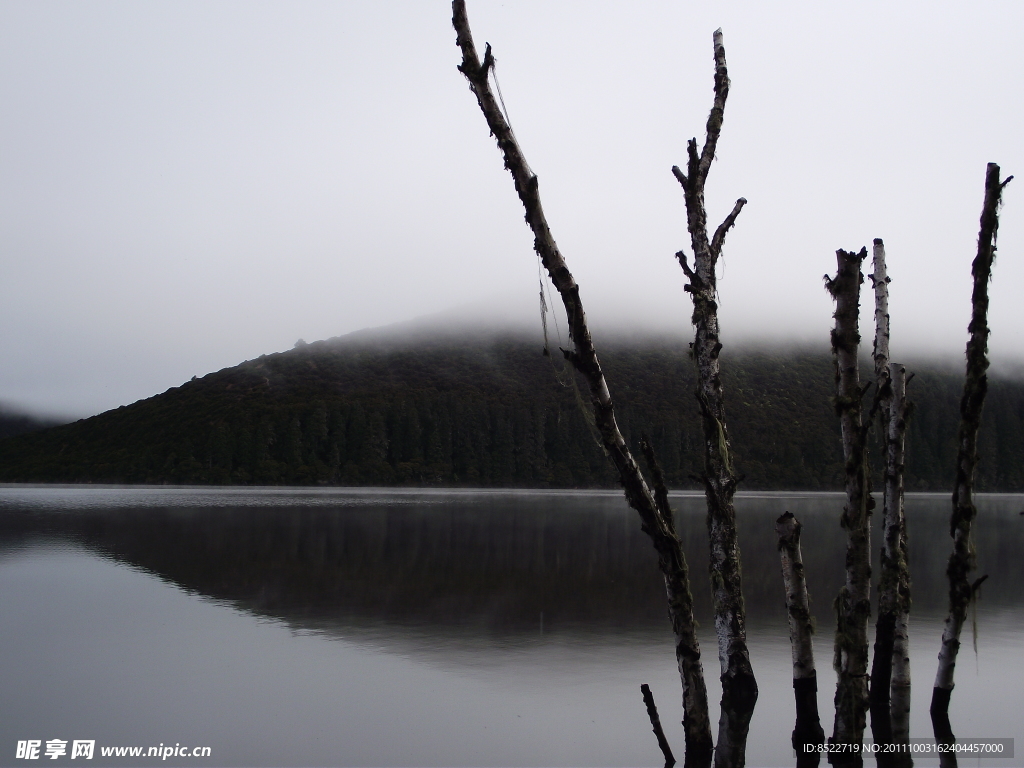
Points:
739	689
719	239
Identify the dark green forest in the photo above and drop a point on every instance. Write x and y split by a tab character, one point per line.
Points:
493	411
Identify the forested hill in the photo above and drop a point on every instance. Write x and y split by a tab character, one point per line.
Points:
16	423
491	411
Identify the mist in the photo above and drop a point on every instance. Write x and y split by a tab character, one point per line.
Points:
189	185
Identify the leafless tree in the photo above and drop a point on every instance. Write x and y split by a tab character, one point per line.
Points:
652	505
739	689
961	561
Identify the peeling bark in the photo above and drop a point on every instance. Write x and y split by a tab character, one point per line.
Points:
739	689
853	605
808	730
655	520
961	561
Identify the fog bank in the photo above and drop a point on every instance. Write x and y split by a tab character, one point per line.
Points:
188	185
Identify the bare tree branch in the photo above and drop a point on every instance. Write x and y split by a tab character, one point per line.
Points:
681	258
670	555
719	239
659	732
693	163
717	115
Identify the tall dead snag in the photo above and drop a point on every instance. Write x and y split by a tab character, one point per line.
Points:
961	561
739	689
890	673
808	730
853	605
655	517
894	583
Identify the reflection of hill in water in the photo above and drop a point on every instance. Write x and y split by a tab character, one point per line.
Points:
498	562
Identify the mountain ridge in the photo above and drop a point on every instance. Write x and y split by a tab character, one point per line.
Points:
488	409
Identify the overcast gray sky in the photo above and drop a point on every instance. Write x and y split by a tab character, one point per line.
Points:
186	185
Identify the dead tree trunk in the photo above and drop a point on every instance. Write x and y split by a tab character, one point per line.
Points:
895	552
880	283
894	583
853	605
808	731
739	689
655	518
881	668
961	561
890	673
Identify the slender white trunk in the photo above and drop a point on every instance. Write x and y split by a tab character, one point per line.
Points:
880	283
808	728
853	605
788	528
894	583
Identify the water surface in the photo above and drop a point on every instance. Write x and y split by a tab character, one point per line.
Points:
400	628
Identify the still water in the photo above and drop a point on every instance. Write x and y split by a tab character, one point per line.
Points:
286	627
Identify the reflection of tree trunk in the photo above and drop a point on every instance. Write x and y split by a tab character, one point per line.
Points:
655	520
961	561
808	730
854	602
739	689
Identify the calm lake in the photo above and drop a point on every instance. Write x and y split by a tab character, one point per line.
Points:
296	627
